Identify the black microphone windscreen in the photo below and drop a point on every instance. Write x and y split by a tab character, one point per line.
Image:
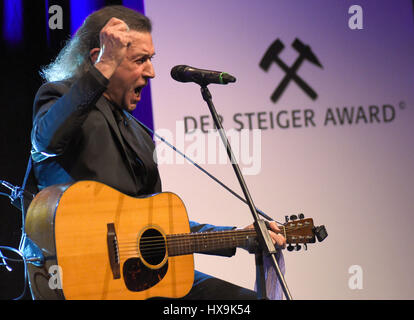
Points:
177	72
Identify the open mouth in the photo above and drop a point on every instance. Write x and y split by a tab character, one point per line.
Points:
138	90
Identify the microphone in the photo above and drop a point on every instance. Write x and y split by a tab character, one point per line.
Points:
202	77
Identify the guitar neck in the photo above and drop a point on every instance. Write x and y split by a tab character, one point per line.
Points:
295	232
181	244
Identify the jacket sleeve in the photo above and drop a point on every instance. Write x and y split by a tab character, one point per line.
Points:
202	227
59	110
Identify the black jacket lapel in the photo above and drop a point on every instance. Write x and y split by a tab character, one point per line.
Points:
103	106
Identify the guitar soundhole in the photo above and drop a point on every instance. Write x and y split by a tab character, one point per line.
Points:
142	274
152	247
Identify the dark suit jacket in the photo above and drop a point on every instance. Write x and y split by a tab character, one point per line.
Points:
75	137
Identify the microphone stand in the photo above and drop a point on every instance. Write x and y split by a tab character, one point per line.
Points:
265	240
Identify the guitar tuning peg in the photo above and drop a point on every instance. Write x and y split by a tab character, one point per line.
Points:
305	246
290	247
286	218
293	217
298	247
301	216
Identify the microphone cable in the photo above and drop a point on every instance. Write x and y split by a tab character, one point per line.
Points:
202	169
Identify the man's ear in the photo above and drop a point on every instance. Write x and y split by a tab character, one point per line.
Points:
94	54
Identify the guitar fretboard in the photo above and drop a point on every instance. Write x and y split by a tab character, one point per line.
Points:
181	244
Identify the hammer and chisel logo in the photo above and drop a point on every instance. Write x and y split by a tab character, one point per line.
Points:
305	53
258	120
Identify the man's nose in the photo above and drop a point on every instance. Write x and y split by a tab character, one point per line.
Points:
149	71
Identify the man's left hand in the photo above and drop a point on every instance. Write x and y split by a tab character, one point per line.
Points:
278	239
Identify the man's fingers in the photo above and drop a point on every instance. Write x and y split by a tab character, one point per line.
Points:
115	39
273	226
118	23
117	33
278	239
116	26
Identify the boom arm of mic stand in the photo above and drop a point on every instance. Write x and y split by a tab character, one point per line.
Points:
260	226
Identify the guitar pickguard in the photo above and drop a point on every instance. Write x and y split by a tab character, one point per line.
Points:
139	277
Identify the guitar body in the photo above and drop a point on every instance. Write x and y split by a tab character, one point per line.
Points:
101	241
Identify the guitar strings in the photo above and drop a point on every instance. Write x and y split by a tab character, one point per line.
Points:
174	247
158	245
210	235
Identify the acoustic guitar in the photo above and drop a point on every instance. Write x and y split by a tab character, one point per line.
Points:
98	243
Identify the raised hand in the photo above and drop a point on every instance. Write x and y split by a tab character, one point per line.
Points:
114	42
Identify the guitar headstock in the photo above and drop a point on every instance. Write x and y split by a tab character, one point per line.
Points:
302	231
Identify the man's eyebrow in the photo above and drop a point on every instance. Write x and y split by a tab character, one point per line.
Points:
142	55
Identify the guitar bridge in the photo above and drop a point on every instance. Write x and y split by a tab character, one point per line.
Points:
113	252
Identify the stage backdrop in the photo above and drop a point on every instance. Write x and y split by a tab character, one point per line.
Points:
322	117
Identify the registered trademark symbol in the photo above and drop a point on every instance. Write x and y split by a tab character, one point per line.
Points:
402	105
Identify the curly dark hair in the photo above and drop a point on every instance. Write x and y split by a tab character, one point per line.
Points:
73	60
